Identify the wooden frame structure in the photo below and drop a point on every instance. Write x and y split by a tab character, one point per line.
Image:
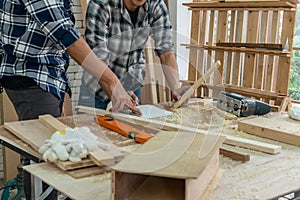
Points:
253	41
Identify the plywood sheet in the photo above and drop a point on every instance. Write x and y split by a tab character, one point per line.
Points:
32	132
172	154
280	128
94	187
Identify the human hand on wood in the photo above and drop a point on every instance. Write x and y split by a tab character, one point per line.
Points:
177	94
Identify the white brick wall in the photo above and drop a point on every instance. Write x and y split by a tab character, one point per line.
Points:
75	71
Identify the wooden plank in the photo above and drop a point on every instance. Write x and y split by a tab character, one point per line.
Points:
94	187
193	56
167	153
87	172
195	188
52	123
260	45
250	58
252	144
211	32
68	165
232	34
282	129
150	88
236	68
31	132
221	37
234	154
101	157
246	50
264	28
271	61
197	84
283	75
241	142
213	184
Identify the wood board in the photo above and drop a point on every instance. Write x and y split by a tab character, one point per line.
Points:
279	127
34	133
187	161
175	150
94	187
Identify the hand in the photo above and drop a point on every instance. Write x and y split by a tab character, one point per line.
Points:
121	100
133	97
177	93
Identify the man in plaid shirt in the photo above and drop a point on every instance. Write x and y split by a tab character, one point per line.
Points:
36	39
117	31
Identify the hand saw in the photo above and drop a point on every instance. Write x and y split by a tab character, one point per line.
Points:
124	129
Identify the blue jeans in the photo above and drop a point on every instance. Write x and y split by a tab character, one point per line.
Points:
86	98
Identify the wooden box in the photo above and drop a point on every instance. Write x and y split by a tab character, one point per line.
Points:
172	165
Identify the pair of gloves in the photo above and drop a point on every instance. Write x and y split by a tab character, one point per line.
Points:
71	144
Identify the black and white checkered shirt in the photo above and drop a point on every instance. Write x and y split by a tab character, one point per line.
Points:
114	39
34	35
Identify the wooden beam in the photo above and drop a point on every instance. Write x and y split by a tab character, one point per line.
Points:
281	129
234	154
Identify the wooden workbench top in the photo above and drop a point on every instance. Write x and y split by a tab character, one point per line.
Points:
264	176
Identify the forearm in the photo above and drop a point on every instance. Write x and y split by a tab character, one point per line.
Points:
170	69
84	56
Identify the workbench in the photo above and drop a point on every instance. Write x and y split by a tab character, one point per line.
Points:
265	176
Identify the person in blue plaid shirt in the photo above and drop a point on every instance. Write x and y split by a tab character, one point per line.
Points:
117	31
36	39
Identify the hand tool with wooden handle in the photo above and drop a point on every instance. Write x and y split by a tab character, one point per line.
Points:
191	90
124	129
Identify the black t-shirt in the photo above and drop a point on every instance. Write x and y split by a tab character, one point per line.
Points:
133	15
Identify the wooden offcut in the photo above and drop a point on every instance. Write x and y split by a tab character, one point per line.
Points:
280	128
234	154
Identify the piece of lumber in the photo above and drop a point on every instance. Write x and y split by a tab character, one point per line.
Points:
252	144
251	45
52	123
212	185
281	129
231	140
191	90
89	171
68	165
94	187
234	155
101	157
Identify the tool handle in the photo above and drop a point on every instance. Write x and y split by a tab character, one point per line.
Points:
191	90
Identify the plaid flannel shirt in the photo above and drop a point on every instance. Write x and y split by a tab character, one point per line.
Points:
118	42
34	36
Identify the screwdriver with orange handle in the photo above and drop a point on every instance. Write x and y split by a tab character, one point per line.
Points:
123	129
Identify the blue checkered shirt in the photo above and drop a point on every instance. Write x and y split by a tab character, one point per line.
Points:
34	37
114	39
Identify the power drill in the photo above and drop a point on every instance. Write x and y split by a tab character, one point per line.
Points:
241	106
